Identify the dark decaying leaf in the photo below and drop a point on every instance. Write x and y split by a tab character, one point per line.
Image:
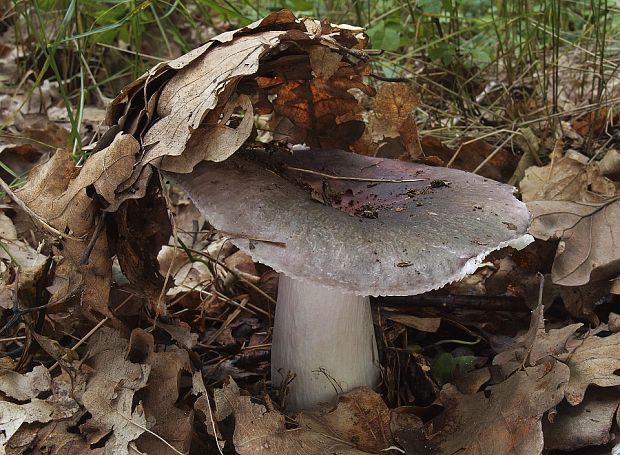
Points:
143	226
390	238
589	248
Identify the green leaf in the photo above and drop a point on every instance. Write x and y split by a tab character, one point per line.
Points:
445	365
445	52
385	35
430	7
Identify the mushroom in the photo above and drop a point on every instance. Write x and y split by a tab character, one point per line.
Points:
341	227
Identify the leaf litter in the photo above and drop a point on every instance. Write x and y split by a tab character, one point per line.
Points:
196	307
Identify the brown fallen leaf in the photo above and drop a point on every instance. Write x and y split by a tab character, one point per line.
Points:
392	117
537	345
422	324
503	419
22	387
566	179
109	394
595	361
201	105
258	431
59	405
54	438
167	418
324	61
587	424
21	266
589	248
57	192
360	416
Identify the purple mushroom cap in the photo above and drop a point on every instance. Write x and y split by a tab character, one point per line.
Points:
364	225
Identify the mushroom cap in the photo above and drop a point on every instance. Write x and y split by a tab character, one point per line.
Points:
367	236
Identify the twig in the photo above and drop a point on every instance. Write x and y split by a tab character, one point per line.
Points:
92	331
191	251
173	448
356	179
17	338
5	187
93	240
83	340
217	441
228	321
389	79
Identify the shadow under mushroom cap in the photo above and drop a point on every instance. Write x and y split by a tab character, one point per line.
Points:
368	236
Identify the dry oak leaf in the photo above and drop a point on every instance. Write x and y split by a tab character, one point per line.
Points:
589	248
324	61
197	89
360	416
536	344
26	388
595	361
57	191
504	419
587	424
109	394
327	114
261	432
566	179
18	254
170	419
392	117
22	387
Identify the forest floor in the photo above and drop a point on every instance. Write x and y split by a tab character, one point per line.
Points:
129	324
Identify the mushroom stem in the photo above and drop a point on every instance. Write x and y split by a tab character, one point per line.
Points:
326	339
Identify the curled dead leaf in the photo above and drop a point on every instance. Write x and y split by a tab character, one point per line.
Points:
589	247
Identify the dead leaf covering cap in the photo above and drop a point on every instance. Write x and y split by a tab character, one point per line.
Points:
365	225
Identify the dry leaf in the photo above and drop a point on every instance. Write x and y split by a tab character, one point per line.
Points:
587	424
565	179
360	416
110	393
59	405
324	61
392	117
58	193
143	225
610	164
503	419
168	419
596	361
194	91
422	324
200	106
22	387
536	345
589	248
258	431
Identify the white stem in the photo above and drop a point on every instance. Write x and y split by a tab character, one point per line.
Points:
325	338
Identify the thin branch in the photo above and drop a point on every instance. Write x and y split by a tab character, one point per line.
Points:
356	179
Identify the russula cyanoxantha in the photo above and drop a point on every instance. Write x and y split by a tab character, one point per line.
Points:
341	227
